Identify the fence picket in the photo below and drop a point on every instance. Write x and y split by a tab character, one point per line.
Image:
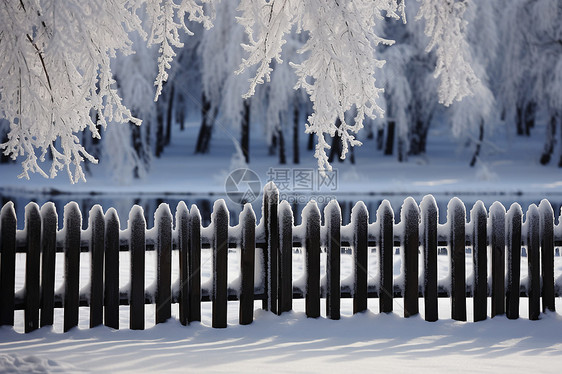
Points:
111	293
311	219
247	264
137	243
332	217
182	232
271	252
456	217
547	254
410	246
194	248
32	262
72	226
285	257
97	244
533	260
8	225
219	220
163	222
513	227
385	220
478	218
497	248
429	214
360	222
49	222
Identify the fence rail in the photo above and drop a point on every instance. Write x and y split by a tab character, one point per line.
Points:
495	240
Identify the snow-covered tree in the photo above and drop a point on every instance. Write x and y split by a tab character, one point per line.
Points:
55	63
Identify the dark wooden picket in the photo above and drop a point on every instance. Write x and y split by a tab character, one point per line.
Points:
32	262
285	257
497	244
271	250
513	224
182	232
533	261
360	221
247	264
49	221
385	220
8	225
219	220
137	243
494	233
547	255
97	245
111	293
410	234
163	226
332	216
478	217
194	251
311	219
429	243
457	220
72	225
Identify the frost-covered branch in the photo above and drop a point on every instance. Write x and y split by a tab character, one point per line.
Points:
446	28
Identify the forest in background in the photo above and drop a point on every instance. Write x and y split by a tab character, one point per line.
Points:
516	54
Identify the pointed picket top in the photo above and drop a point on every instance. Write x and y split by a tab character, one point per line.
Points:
162	212
194	213
247	213
477	210
181	212
429	204
8	209
219	209
385	209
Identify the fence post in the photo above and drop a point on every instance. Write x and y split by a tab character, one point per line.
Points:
137	247
478	219
72	225
311	220
163	223
497	246
182	230
456	217
513	225
32	262
332	217
271	252
547	254
8	225
111	296
97	244
194	248
247	264
285	303
360	222
410	244
385	220
428	228
49	223
533	260
219	219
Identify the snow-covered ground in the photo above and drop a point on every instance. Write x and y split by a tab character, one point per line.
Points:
292	343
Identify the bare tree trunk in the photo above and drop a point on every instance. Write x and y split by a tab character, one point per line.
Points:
478	146
530	111
549	141
159	131
168	136
519	120
282	154
296	114
310	145
389	145
245	136
180	110
206	130
380	138
336	148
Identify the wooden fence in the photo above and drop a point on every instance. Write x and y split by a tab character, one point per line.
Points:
495	239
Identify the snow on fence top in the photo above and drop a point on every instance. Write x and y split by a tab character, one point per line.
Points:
496	256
